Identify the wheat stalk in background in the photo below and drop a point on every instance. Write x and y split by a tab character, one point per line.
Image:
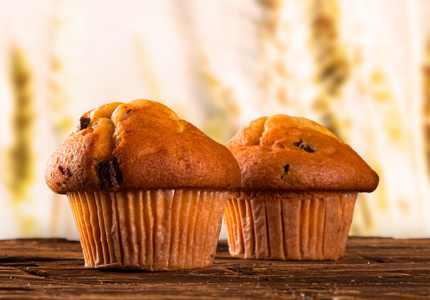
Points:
382	103
213	96
19	158
332	66
221	108
426	100
68	32
333	70
272	81
276	60
59	99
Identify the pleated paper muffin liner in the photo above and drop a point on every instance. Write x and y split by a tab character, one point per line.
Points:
289	226
155	230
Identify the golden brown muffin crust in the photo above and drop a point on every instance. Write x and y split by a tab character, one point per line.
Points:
140	144
283	152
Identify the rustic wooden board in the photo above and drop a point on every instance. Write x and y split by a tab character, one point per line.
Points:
375	268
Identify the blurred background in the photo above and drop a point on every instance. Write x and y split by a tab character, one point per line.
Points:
359	67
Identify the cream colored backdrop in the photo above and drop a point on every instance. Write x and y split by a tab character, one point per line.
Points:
361	68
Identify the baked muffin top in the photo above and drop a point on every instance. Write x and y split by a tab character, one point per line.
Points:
141	144
282	152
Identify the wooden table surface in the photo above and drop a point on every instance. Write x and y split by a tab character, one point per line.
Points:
373	268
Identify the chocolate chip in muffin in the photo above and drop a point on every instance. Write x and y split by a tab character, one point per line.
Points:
303	146
109	174
84	122
286	170
67	172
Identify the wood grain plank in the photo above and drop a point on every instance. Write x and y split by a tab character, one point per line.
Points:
373	268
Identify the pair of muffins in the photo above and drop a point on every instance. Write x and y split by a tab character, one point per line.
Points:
149	190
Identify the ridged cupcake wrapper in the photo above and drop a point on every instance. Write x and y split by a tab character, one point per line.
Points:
152	230
289	226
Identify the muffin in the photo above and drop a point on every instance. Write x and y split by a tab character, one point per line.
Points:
298	190
147	189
